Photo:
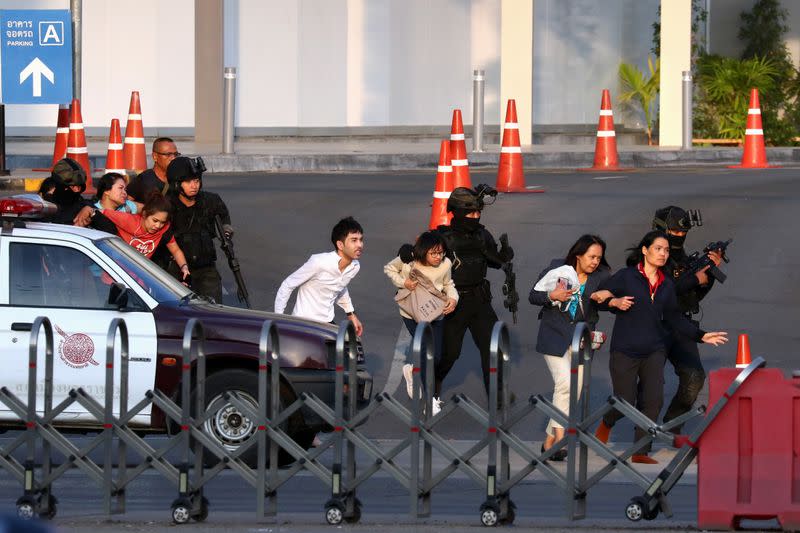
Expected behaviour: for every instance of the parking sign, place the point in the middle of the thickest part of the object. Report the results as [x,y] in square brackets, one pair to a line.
[36,55]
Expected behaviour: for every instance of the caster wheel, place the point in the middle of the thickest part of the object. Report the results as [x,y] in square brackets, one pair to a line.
[26,508]
[334,514]
[203,511]
[636,509]
[489,517]
[52,507]
[355,517]
[511,515]
[181,513]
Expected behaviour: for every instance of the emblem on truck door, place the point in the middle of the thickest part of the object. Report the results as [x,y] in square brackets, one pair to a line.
[76,350]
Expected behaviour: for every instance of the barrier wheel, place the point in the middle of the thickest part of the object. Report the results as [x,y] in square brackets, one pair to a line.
[489,516]
[26,508]
[355,516]
[181,512]
[203,514]
[334,513]
[52,507]
[511,515]
[635,510]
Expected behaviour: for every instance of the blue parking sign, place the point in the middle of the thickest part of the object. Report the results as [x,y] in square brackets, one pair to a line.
[36,56]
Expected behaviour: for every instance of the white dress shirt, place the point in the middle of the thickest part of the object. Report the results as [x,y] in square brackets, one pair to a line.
[319,284]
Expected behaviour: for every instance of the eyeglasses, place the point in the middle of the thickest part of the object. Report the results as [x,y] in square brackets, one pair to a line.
[436,254]
[169,154]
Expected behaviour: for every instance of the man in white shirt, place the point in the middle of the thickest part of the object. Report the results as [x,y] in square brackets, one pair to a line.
[322,280]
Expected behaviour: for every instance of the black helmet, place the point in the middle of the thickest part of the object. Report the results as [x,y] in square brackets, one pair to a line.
[674,218]
[68,172]
[464,200]
[183,168]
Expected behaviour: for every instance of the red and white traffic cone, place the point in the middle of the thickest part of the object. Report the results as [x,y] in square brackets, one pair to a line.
[62,134]
[76,144]
[458,152]
[115,161]
[743,358]
[133,150]
[755,154]
[605,150]
[442,189]
[510,175]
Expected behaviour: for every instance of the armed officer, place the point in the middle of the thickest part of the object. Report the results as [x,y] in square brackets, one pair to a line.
[690,289]
[472,249]
[193,212]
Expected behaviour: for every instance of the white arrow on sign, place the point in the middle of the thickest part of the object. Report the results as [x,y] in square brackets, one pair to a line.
[37,69]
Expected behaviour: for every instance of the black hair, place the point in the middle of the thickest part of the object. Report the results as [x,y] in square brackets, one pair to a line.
[426,242]
[343,228]
[48,185]
[162,140]
[156,203]
[582,246]
[105,183]
[635,255]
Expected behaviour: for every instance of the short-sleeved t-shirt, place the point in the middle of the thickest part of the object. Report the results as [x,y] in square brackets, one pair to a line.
[129,228]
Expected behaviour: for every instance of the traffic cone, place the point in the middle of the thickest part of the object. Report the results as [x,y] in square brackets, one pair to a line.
[605,149]
[442,189]
[62,134]
[743,351]
[133,151]
[76,143]
[115,161]
[510,176]
[458,153]
[754,155]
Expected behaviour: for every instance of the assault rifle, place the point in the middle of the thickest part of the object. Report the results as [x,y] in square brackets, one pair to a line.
[511,301]
[226,243]
[700,260]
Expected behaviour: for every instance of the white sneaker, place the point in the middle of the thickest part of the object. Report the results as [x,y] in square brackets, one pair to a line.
[437,406]
[408,373]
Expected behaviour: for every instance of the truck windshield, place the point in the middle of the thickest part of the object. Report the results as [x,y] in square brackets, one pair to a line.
[159,284]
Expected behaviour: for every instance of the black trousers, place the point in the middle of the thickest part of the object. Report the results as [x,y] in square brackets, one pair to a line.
[206,281]
[684,355]
[640,382]
[474,313]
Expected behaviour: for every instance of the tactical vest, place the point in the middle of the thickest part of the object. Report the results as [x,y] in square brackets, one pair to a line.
[467,251]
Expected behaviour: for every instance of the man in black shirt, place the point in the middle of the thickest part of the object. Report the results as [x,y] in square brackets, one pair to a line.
[154,179]
[690,289]
[193,212]
[69,182]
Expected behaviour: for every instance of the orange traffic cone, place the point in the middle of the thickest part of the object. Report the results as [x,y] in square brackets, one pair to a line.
[115,161]
[755,155]
[442,189]
[605,149]
[76,144]
[743,351]
[62,134]
[133,151]
[458,153]
[510,176]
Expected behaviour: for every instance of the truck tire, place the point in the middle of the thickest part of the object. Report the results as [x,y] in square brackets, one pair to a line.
[229,428]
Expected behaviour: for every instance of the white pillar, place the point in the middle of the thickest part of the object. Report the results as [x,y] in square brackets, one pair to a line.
[516,62]
[676,56]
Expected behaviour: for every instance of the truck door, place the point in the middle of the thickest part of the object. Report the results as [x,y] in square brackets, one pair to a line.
[68,283]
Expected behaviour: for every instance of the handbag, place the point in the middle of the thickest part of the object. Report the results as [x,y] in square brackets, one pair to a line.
[424,303]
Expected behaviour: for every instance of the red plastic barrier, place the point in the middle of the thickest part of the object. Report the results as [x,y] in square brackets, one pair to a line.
[749,461]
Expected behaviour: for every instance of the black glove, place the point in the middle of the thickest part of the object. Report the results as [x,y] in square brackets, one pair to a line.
[506,251]
[406,253]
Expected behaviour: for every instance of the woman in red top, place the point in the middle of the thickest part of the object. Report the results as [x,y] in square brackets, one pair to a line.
[145,231]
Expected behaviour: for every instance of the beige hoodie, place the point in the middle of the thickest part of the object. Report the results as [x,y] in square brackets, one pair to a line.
[398,272]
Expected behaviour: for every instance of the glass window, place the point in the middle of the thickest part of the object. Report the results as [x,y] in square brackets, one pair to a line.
[56,276]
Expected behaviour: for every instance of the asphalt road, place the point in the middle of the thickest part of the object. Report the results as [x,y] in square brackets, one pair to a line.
[281,219]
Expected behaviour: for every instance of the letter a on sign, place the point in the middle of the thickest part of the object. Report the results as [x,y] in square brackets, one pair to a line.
[51,33]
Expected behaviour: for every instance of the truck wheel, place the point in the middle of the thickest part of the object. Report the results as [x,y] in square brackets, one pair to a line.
[228,426]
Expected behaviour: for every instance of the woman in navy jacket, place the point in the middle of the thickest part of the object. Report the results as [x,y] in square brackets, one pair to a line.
[556,327]
[642,298]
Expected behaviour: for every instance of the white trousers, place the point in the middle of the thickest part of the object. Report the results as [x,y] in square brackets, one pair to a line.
[560,370]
